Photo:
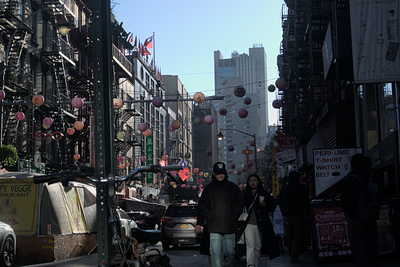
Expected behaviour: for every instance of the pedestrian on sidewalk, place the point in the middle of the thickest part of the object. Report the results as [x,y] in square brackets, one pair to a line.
[258,231]
[220,206]
[293,202]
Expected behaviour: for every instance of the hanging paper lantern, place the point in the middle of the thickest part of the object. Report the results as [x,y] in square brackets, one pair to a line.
[142,127]
[183,185]
[277,103]
[2,95]
[127,164]
[243,113]
[77,156]
[70,131]
[77,102]
[47,121]
[231,148]
[38,100]
[121,166]
[170,128]
[247,100]
[271,88]
[206,174]
[121,159]
[222,111]
[229,172]
[176,124]
[197,120]
[199,97]
[187,155]
[238,182]
[250,163]
[194,187]
[208,152]
[201,173]
[238,172]
[143,158]
[252,143]
[117,103]
[196,170]
[78,125]
[164,157]
[241,186]
[239,91]
[281,83]
[120,135]
[233,166]
[19,116]
[208,119]
[244,169]
[157,101]
[146,133]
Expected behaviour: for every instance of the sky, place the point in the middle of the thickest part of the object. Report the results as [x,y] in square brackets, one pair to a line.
[187,33]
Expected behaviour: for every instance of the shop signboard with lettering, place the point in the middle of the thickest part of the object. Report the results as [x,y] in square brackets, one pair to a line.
[330,231]
[149,157]
[331,165]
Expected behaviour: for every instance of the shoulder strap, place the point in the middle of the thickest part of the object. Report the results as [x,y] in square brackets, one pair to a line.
[253,201]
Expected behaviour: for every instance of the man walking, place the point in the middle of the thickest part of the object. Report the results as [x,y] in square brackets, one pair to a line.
[220,206]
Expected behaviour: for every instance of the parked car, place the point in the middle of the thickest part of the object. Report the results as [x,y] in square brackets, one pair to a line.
[8,245]
[139,217]
[126,222]
[178,225]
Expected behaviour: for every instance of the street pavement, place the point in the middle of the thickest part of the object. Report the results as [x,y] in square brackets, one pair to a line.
[189,256]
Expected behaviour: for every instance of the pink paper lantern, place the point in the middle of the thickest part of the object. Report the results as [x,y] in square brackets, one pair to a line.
[233,166]
[231,148]
[229,172]
[157,101]
[2,95]
[47,121]
[243,113]
[142,127]
[208,152]
[247,100]
[239,91]
[208,119]
[244,169]
[249,163]
[143,158]
[77,102]
[19,116]
[121,159]
[239,172]
[170,128]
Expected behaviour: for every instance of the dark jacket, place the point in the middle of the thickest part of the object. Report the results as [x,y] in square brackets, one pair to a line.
[220,206]
[293,199]
[269,242]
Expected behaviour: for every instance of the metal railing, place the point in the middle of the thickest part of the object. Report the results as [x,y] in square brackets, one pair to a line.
[117,54]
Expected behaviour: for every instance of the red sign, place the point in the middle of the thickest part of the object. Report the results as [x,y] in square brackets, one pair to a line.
[286,141]
[331,232]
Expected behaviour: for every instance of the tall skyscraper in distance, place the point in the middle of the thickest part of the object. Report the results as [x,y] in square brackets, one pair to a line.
[249,71]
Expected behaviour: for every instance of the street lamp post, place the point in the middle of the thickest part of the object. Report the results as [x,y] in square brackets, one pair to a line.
[221,136]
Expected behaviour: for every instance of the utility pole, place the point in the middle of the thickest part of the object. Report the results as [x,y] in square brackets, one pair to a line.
[103,114]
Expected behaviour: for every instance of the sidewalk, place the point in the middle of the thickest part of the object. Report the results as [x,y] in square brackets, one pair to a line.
[307,259]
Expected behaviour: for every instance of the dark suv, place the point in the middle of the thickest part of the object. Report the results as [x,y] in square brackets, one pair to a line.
[178,225]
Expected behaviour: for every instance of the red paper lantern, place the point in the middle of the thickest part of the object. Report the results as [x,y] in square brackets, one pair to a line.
[199,97]
[201,173]
[19,116]
[117,103]
[247,100]
[121,159]
[231,148]
[209,119]
[271,88]
[38,100]
[208,152]
[157,101]
[77,156]
[222,111]
[252,143]
[196,170]
[170,128]
[127,164]
[70,131]
[78,125]
[281,83]
[239,91]
[243,113]
[77,102]
[239,172]
[233,166]
[146,133]
[121,166]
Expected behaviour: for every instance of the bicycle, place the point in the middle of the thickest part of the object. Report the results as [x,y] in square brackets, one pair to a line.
[128,250]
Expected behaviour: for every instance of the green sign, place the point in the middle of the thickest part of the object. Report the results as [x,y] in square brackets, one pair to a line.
[149,157]
[28,166]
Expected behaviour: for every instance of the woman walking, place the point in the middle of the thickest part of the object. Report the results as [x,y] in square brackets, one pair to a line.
[258,230]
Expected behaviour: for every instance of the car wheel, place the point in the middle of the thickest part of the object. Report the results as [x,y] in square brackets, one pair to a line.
[166,244]
[8,253]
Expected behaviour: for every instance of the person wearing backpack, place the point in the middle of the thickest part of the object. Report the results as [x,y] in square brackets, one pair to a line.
[360,202]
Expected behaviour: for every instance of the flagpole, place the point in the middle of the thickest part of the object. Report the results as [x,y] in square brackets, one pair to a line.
[154,49]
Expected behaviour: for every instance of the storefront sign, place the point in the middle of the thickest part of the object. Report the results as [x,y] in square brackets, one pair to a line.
[331,165]
[149,157]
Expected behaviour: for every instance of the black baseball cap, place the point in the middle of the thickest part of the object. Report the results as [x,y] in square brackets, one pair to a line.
[219,168]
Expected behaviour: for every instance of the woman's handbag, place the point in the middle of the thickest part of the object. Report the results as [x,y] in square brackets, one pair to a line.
[245,213]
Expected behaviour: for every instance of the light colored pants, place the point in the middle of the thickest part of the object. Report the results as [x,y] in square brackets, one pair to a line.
[222,249]
[253,239]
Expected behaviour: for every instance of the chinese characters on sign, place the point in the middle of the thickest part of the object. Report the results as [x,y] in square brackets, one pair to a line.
[149,157]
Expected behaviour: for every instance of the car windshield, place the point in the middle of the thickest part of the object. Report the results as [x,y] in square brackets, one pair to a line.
[182,211]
